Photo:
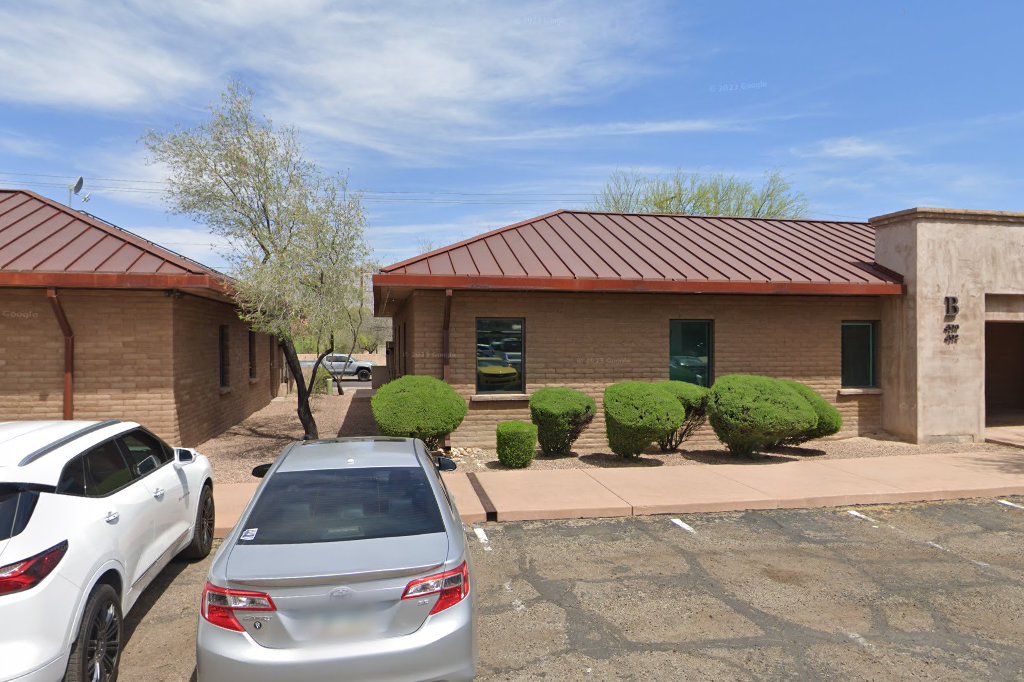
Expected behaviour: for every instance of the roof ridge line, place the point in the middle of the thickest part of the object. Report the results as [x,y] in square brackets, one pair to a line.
[732,217]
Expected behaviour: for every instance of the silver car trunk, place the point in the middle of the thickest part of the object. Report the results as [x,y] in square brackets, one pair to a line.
[330,592]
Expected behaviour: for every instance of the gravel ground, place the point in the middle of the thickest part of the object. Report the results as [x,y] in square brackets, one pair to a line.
[262,436]
[477,459]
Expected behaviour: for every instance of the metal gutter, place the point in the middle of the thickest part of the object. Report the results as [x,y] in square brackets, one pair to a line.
[69,353]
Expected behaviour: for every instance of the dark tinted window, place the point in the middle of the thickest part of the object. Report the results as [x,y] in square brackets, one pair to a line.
[859,355]
[15,510]
[145,452]
[72,479]
[689,351]
[105,470]
[332,505]
[499,355]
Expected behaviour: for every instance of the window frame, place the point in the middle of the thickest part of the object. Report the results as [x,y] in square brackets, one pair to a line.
[872,325]
[711,347]
[522,354]
[224,355]
[166,455]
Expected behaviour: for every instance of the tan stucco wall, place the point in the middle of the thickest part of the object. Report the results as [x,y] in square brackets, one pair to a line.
[934,390]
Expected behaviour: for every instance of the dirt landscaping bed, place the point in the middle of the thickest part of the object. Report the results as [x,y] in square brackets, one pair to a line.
[478,459]
[262,436]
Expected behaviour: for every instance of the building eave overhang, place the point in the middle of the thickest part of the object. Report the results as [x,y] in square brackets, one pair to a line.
[210,286]
[397,281]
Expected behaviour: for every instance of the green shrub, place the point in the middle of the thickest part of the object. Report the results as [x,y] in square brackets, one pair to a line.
[752,413]
[694,400]
[561,415]
[323,382]
[829,420]
[418,407]
[637,414]
[517,442]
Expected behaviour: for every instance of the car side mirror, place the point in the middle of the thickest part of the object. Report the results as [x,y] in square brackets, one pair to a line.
[183,456]
[260,470]
[446,464]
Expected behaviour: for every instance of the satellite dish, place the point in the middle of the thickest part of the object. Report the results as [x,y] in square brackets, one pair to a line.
[78,185]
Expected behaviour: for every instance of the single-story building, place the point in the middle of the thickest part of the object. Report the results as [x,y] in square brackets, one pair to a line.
[99,323]
[911,324]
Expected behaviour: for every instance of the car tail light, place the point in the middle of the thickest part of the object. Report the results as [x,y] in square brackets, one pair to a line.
[453,587]
[220,605]
[24,575]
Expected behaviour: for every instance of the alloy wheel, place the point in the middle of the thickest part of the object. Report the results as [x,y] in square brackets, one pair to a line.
[103,645]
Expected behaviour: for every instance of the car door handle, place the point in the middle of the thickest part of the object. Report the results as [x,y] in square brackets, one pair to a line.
[112,517]
[158,493]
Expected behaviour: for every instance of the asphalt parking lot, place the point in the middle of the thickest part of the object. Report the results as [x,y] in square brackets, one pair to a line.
[928,591]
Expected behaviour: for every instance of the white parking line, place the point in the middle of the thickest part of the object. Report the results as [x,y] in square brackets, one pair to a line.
[482,537]
[862,517]
[685,526]
[1011,504]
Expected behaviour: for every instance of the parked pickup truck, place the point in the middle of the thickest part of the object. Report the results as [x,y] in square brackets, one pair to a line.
[343,366]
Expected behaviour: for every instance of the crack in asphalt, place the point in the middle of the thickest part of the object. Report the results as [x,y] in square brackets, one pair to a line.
[938,587]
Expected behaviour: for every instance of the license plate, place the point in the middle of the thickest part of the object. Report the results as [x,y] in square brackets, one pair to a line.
[347,625]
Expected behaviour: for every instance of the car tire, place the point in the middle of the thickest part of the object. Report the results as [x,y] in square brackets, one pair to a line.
[101,629]
[363,375]
[202,536]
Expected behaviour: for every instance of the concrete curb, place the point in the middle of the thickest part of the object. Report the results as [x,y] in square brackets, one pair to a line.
[549,494]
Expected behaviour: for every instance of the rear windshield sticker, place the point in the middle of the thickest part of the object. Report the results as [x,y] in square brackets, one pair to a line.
[249,534]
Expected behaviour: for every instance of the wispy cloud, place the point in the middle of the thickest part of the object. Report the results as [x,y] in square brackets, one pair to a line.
[19,144]
[622,129]
[851,148]
[404,78]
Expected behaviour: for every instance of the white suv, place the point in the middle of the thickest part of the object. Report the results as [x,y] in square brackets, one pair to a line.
[90,512]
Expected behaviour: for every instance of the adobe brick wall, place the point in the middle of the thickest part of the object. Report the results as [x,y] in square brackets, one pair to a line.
[123,359]
[139,355]
[31,357]
[587,341]
[204,408]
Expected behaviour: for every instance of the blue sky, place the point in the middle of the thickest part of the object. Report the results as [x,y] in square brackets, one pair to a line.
[459,117]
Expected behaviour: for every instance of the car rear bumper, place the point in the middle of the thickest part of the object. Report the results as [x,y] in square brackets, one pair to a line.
[443,649]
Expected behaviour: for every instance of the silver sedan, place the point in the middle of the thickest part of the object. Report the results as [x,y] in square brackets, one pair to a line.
[350,563]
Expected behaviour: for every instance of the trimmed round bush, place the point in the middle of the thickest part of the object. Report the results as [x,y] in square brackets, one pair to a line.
[517,442]
[637,414]
[418,407]
[694,400]
[752,413]
[829,420]
[561,415]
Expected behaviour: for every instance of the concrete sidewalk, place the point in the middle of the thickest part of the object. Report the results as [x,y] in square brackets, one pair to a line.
[629,491]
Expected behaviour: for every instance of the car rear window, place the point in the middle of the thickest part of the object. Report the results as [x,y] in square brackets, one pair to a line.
[333,505]
[16,508]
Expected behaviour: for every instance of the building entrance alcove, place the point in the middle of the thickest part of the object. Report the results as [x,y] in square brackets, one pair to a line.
[1004,381]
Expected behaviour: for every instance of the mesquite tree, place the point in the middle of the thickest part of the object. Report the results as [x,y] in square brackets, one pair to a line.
[702,195]
[294,233]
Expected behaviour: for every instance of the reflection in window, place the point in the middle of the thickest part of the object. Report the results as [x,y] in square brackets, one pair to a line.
[859,355]
[689,350]
[499,355]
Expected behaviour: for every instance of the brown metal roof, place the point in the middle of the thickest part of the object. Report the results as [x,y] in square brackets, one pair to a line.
[44,243]
[587,251]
